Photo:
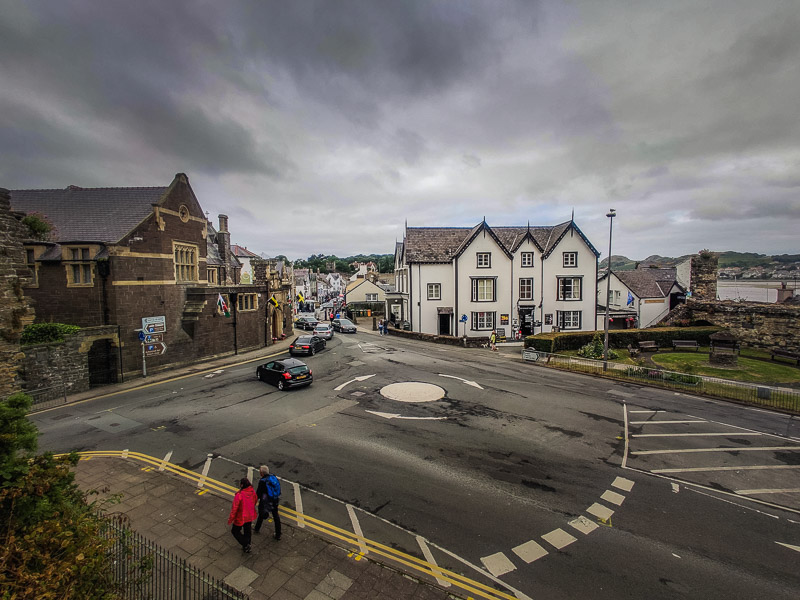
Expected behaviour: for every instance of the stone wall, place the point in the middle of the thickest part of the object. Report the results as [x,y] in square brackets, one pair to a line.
[58,368]
[754,324]
[704,275]
[470,342]
[15,307]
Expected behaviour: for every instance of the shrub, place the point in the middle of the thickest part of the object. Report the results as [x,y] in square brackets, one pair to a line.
[39,227]
[43,333]
[594,349]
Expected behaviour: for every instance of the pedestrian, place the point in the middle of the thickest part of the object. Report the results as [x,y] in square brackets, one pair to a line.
[269,497]
[243,512]
[493,340]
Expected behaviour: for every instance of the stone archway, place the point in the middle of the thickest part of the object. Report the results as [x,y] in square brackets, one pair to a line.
[102,362]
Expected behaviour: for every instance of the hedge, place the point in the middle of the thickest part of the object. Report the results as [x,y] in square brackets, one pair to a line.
[618,338]
[43,333]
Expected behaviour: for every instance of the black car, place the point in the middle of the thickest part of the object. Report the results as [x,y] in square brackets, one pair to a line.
[307,344]
[307,323]
[343,325]
[285,373]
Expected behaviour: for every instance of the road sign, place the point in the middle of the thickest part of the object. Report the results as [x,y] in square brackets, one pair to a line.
[154,324]
[151,338]
[141,336]
[155,349]
[463,318]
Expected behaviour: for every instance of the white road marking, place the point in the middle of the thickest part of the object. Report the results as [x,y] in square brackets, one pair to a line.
[360,378]
[761,512]
[742,428]
[744,468]
[768,491]
[622,484]
[601,512]
[676,488]
[125,453]
[202,481]
[398,416]
[736,433]
[498,564]
[613,497]
[790,546]
[685,450]
[250,474]
[664,422]
[472,383]
[647,411]
[298,506]
[559,538]
[625,452]
[165,461]
[426,552]
[357,529]
[530,551]
[584,525]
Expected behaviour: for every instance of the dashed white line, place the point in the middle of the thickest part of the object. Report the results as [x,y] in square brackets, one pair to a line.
[298,506]
[429,557]
[530,551]
[498,564]
[202,481]
[627,437]
[768,491]
[601,512]
[685,450]
[584,525]
[622,484]
[165,461]
[647,411]
[736,433]
[357,529]
[761,512]
[613,497]
[790,546]
[559,538]
[665,422]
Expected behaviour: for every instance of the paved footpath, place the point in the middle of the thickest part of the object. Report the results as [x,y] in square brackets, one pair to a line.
[301,566]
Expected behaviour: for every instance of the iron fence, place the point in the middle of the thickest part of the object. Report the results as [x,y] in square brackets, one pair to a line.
[145,571]
[48,397]
[786,399]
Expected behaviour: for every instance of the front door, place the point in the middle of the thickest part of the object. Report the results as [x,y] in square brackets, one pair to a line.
[444,325]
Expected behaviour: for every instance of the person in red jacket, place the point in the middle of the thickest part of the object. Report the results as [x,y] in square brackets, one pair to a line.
[243,513]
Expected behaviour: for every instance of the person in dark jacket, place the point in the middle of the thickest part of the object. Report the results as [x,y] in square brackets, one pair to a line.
[243,512]
[269,496]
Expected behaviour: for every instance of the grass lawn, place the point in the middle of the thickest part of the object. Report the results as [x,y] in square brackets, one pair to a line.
[749,369]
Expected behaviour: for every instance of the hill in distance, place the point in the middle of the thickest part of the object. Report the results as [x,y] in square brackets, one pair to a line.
[726,259]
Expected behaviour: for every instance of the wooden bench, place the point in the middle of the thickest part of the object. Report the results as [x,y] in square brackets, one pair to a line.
[781,353]
[633,351]
[685,344]
[648,346]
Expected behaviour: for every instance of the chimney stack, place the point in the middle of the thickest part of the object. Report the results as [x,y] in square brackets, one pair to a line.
[224,246]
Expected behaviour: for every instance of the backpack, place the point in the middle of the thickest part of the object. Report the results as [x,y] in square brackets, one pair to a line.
[273,487]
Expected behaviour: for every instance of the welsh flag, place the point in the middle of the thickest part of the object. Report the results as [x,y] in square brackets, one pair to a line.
[222,306]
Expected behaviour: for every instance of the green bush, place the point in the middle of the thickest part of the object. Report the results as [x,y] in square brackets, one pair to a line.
[43,333]
[595,348]
[619,338]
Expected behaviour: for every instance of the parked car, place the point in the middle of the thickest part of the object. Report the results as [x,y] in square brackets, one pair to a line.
[306,344]
[324,331]
[307,323]
[343,326]
[285,373]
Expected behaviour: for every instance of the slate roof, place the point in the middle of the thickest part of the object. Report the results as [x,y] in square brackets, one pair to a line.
[442,244]
[648,283]
[242,251]
[90,214]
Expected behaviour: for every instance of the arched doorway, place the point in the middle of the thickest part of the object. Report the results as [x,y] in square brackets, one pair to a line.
[276,328]
[102,362]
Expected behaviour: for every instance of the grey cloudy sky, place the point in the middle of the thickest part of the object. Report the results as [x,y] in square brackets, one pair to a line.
[322,126]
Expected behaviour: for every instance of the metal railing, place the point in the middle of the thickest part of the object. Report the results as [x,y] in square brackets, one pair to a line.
[49,397]
[786,399]
[146,571]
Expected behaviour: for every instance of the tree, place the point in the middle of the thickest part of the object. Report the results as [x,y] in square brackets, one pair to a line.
[39,226]
[51,543]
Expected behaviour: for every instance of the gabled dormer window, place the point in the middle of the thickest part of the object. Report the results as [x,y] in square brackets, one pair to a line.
[484,260]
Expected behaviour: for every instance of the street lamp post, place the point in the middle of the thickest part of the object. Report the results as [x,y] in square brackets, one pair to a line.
[611,214]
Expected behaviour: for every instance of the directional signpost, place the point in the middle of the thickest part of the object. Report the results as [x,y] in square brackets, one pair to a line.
[151,335]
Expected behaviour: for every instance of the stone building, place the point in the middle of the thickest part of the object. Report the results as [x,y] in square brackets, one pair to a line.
[15,309]
[132,257]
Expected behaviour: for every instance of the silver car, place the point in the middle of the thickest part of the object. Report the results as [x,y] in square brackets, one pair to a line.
[324,331]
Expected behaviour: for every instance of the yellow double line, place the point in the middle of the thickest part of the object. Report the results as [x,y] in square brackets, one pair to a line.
[412,562]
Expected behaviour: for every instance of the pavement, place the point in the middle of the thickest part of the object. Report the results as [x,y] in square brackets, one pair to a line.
[186,513]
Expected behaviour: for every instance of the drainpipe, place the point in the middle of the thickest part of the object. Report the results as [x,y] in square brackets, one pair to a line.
[234,301]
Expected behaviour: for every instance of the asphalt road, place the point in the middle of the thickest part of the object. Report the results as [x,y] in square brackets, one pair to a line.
[513,470]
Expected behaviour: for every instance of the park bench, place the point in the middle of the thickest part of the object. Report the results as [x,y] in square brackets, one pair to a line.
[781,353]
[633,351]
[648,346]
[685,344]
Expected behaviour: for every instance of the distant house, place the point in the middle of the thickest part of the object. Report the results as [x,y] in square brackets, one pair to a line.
[470,280]
[243,255]
[336,284]
[638,298]
[364,290]
[123,255]
[363,269]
